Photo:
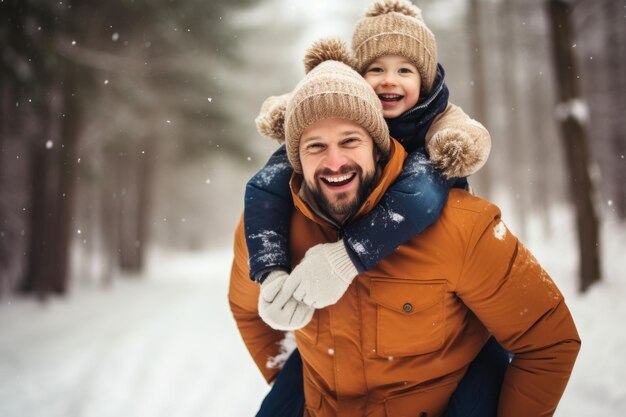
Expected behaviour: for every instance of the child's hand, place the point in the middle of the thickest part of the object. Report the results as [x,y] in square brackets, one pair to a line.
[324,275]
[278,308]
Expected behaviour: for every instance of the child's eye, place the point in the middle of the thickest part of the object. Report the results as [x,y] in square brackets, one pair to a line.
[375,69]
[405,71]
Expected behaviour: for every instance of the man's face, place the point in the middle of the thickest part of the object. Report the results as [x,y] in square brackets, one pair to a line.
[396,82]
[338,165]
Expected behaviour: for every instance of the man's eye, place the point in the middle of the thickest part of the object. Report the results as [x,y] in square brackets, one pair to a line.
[351,141]
[314,147]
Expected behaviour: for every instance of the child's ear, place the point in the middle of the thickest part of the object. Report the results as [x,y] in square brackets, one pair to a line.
[271,119]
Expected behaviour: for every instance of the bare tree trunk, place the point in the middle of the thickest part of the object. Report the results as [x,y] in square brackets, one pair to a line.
[126,240]
[6,253]
[515,143]
[70,131]
[616,68]
[570,112]
[43,218]
[479,99]
[53,178]
[110,222]
[44,188]
[13,154]
[539,137]
[146,174]
[542,184]
[135,202]
[138,166]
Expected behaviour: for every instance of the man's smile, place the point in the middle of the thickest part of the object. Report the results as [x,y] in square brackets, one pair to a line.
[338,180]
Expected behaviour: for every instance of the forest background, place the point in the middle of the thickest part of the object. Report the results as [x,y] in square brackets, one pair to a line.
[127,126]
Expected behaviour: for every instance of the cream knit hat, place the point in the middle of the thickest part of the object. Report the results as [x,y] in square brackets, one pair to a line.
[396,27]
[330,89]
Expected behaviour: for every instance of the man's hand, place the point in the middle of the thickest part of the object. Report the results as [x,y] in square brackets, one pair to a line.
[278,308]
[324,275]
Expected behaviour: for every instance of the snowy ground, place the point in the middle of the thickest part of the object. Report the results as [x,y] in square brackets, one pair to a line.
[166,345]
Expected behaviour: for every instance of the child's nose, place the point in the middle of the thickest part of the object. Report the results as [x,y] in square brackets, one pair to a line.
[389,79]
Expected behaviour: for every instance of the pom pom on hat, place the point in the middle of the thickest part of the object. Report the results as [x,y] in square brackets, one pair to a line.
[459,152]
[389,6]
[271,119]
[330,49]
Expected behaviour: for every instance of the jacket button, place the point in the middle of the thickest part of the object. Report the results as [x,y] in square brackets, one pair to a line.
[423,414]
[407,307]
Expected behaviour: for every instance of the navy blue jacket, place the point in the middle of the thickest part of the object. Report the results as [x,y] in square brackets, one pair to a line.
[413,203]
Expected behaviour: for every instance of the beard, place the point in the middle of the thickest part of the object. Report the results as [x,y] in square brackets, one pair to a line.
[343,205]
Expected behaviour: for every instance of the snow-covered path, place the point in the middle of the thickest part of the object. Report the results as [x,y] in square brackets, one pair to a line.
[166,344]
[163,346]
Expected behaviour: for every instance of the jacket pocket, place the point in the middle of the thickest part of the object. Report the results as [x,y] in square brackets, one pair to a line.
[410,316]
[312,399]
[430,402]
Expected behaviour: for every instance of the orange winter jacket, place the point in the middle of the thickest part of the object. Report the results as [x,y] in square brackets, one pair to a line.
[402,336]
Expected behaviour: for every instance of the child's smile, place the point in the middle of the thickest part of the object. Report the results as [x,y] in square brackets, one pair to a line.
[397,83]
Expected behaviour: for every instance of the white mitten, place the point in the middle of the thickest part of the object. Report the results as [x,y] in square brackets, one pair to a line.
[278,308]
[323,275]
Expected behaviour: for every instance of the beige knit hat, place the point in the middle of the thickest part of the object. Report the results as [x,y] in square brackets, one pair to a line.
[396,27]
[330,89]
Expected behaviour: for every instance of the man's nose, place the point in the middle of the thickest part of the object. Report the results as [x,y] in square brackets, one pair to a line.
[335,159]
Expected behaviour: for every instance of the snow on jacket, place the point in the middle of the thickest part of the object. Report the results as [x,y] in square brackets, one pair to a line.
[402,336]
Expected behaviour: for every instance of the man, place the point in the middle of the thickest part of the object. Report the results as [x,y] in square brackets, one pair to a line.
[403,334]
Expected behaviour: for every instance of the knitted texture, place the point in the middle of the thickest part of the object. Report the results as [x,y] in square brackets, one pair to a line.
[332,89]
[457,144]
[278,308]
[457,152]
[396,27]
[324,274]
[271,119]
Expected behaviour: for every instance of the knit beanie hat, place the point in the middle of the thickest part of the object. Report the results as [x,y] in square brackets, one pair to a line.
[330,89]
[396,27]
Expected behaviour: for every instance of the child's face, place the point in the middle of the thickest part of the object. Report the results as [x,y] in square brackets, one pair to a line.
[396,82]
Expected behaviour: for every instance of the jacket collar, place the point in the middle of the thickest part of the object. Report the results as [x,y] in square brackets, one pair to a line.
[390,171]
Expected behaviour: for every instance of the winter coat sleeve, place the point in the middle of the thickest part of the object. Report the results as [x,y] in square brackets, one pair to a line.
[410,205]
[502,283]
[268,206]
[456,143]
[262,341]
